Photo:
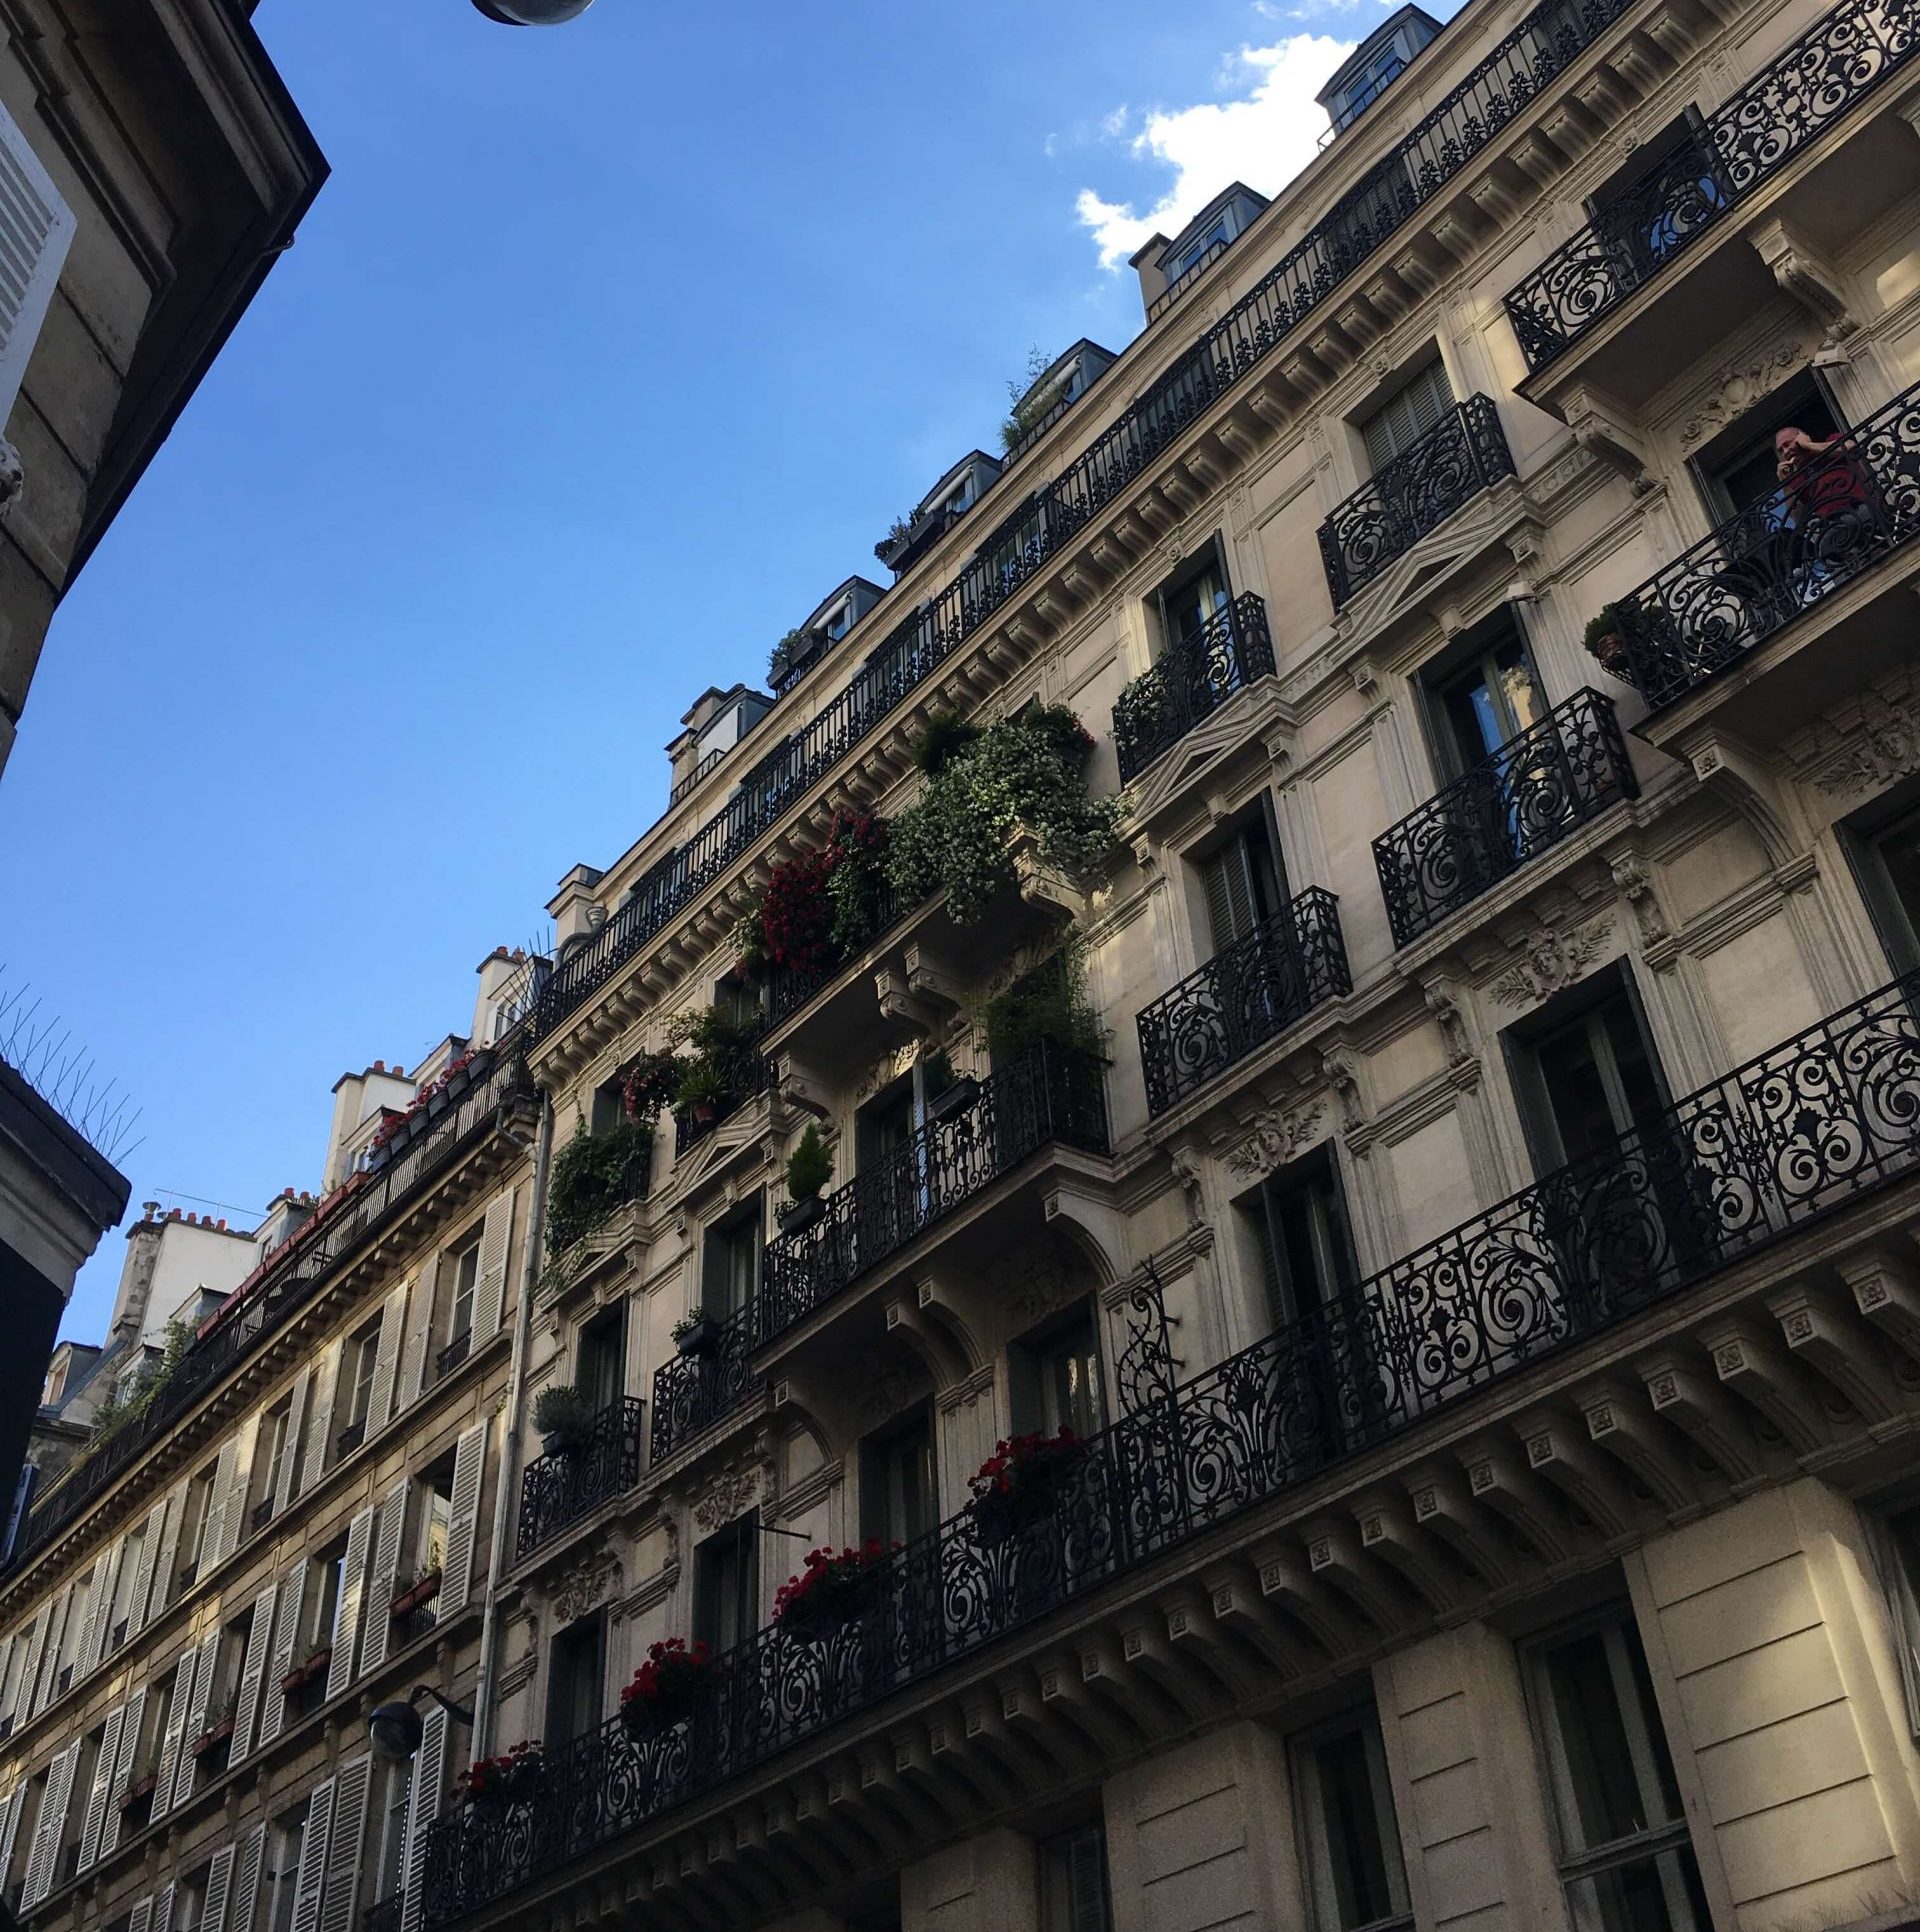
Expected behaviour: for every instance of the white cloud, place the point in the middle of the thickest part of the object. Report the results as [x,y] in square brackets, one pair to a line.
[1264,138]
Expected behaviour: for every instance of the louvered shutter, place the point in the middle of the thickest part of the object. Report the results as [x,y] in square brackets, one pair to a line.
[45,1855]
[490,1288]
[99,1594]
[213,1532]
[9,1655]
[384,1578]
[177,1705]
[253,1673]
[11,1809]
[163,1909]
[429,1776]
[283,1488]
[245,1896]
[201,1696]
[164,1562]
[320,1415]
[353,1591]
[313,1859]
[349,1834]
[418,1328]
[462,1531]
[143,1567]
[36,229]
[231,1521]
[102,1618]
[50,1657]
[1400,422]
[213,1904]
[1087,1880]
[386,1359]
[141,1918]
[1230,909]
[33,1647]
[286,1633]
[95,1819]
[123,1769]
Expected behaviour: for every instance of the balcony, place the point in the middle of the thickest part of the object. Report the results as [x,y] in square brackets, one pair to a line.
[1242,997]
[1532,793]
[1777,562]
[1192,681]
[1745,143]
[692,1393]
[557,1490]
[1504,87]
[1051,1094]
[1808,1128]
[1461,455]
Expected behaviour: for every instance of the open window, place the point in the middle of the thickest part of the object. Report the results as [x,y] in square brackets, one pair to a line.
[600,1357]
[1481,694]
[898,1501]
[726,1584]
[1053,1375]
[1074,1894]
[1192,596]
[1884,844]
[1356,1879]
[1242,877]
[1301,1237]
[1674,185]
[1739,468]
[577,1677]
[730,1260]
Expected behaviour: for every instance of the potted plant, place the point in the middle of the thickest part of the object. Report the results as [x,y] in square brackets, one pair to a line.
[1050,1003]
[1023,1481]
[666,1688]
[415,1592]
[1606,639]
[219,1727]
[647,1084]
[834,1588]
[491,1784]
[695,1334]
[949,1094]
[809,1169]
[704,1090]
[565,1418]
[592,1175]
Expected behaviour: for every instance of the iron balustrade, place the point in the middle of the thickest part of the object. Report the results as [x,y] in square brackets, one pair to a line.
[450,1357]
[1409,175]
[1776,560]
[1740,146]
[1242,997]
[1464,453]
[751,1076]
[1049,1094]
[789,990]
[1190,682]
[557,1490]
[1799,1131]
[692,1393]
[1193,271]
[1536,789]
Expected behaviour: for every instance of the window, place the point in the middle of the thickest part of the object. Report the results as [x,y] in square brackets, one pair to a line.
[1407,415]
[121,1609]
[320,1610]
[897,1500]
[466,1273]
[1195,252]
[1886,859]
[726,1584]
[1586,1072]
[600,1357]
[730,1263]
[390,1827]
[189,1902]
[577,1686]
[1054,1377]
[1349,1837]
[1192,595]
[436,1516]
[1241,881]
[362,1358]
[281,1870]
[1298,1216]
[1625,1858]
[194,1513]
[1368,85]
[1073,1882]
[1482,701]
[271,1458]
[1675,185]
[1739,469]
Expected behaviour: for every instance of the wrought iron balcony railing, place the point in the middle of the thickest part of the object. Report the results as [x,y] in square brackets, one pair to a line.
[788,991]
[557,1490]
[1242,997]
[691,1393]
[1050,1094]
[1741,145]
[1530,794]
[1464,453]
[1194,679]
[1816,1123]
[1403,180]
[1776,560]
[752,1076]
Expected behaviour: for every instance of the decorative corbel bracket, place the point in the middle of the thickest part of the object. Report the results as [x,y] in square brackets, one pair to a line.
[1601,432]
[1807,276]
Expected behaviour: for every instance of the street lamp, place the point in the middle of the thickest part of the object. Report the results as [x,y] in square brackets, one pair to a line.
[533,13]
[395,1729]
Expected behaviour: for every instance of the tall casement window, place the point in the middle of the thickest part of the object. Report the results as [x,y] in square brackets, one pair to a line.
[194,1512]
[463,1275]
[1242,880]
[1884,845]
[1297,1218]
[436,1517]
[1392,427]
[1481,696]
[393,1787]
[1621,1836]
[1053,1373]
[190,1902]
[730,1261]
[1193,595]
[280,1872]
[898,1503]
[320,1610]
[356,1370]
[600,1357]
[1586,1071]
[726,1584]
[576,1686]
[1073,1881]
[270,1456]
[1349,1837]
[1738,470]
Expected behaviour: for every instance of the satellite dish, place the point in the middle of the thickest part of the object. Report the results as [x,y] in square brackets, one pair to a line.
[533,13]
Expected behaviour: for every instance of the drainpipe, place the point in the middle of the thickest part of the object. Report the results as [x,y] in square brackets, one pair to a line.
[483,1692]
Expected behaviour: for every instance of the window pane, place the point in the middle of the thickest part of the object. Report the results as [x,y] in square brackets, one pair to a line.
[1658,1894]
[1360,1863]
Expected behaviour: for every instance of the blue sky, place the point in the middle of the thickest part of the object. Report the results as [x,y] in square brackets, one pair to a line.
[605,353]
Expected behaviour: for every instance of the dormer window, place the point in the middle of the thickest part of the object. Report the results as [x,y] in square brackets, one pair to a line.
[839,623]
[1193,255]
[962,498]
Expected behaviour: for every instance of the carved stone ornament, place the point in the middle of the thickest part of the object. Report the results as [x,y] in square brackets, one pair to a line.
[1635,883]
[1882,745]
[882,1383]
[888,1068]
[1273,1138]
[1039,1282]
[1186,1170]
[1550,961]
[1342,1074]
[590,1580]
[1442,999]
[1737,388]
[730,1494]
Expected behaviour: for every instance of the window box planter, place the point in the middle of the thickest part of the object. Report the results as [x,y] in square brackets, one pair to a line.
[297,1679]
[416,1596]
[141,1787]
[698,1337]
[490,1785]
[798,1216]
[1022,1483]
[210,1740]
[833,1590]
[954,1100]
[666,1689]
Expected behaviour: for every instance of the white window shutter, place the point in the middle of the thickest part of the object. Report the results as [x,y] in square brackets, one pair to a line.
[230,1522]
[320,1415]
[213,1902]
[469,1459]
[384,1578]
[101,1621]
[50,1656]
[418,1328]
[490,1288]
[98,1798]
[353,1592]
[162,1920]
[386,1359]
[244,1898]
[203,1669]
[141,1917]
[176,1731]
[253,1673]
[9,1651]
[313,1859]
[45,1856]
[123,1769]
[33,1646]
[11,1808]
[165,1557]
[292,1588]
[36,230]
[99,1592]
[429,1778]
[213,1532]
[283,1489]
[143,1567]
[349,1834]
